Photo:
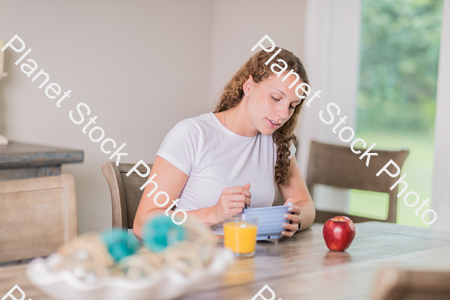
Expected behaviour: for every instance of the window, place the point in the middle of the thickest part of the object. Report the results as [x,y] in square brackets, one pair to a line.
[399,56]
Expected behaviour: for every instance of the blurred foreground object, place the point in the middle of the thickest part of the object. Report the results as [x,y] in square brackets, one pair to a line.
[399,284]
[113,265]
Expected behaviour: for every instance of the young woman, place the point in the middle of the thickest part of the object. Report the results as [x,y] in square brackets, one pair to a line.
[216,163]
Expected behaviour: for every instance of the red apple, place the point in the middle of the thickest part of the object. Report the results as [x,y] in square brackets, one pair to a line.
[338,233]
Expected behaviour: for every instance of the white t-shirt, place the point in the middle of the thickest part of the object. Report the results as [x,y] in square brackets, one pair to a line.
[215,158]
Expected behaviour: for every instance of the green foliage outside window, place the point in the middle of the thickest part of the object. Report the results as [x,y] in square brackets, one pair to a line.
[398,64]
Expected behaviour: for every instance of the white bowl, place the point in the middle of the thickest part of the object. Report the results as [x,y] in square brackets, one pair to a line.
[167,283]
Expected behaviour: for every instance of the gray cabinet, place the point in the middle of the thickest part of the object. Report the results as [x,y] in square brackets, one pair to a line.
[20,160]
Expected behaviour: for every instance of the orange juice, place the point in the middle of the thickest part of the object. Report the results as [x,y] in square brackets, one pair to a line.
[240,236]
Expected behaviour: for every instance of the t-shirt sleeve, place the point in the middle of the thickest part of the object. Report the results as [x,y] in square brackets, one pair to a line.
[180,145]
[292,150]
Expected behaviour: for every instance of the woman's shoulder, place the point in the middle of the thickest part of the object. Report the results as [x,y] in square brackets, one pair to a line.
[195,125]
[207,119]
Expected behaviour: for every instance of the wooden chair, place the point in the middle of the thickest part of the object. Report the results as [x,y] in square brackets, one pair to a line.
[125,192]
[338,166]
[37,215]
[398,284]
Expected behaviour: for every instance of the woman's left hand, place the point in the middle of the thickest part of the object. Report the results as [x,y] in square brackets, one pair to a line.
[293,219]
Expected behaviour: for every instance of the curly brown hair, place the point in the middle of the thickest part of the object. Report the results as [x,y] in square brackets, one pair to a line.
[233,93]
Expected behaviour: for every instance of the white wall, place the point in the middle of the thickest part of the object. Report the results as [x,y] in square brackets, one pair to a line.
[239,25]
[328,39]
[140,66]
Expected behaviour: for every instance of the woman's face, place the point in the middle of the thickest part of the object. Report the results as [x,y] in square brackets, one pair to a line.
[271,102]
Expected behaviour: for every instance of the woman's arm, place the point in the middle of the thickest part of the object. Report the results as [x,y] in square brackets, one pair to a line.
[172,180]
[295,191]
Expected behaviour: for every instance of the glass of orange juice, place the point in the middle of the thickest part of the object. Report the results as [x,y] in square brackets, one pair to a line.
[240,234]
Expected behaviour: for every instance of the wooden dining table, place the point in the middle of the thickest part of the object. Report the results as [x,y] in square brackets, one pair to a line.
[302,267]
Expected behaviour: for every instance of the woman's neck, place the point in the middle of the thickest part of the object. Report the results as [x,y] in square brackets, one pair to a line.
[236,120]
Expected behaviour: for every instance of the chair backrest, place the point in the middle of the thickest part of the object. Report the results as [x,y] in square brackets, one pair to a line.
[125,191]
[37,215]
[397,284]
[338,166]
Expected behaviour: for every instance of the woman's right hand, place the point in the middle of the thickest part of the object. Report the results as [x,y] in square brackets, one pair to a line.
[231,202]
